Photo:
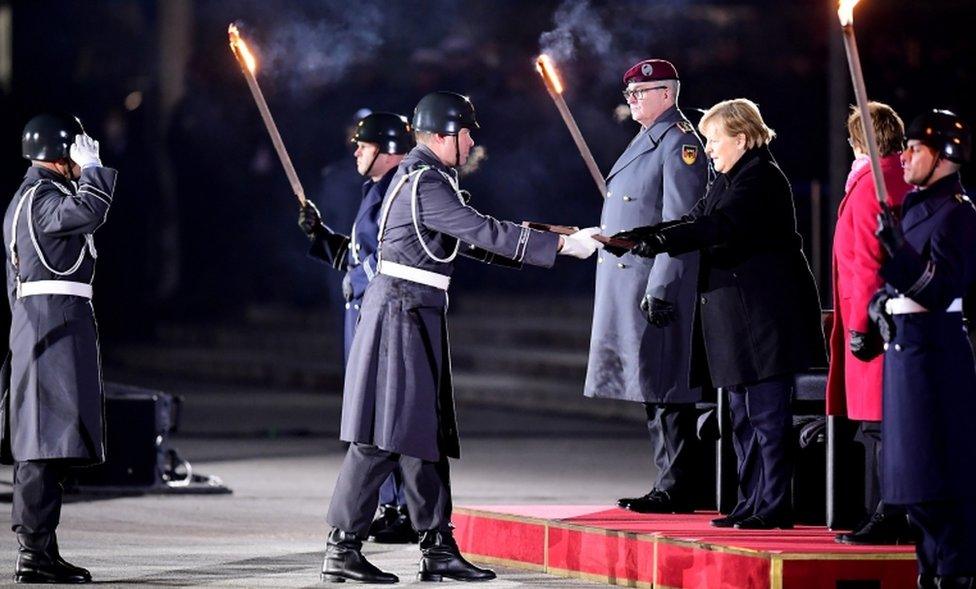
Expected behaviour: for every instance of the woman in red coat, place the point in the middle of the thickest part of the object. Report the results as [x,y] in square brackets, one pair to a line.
[854,385]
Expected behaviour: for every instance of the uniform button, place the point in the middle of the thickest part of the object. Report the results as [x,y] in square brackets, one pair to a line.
[347,305]
[603,226]
[359,246]
[609,193]
[627,198]
[897,347]
[355,307]
[885,346]
[621,265]
[599,259]
[704,300]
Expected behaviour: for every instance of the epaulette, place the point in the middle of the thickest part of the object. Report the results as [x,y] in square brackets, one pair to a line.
[685,127]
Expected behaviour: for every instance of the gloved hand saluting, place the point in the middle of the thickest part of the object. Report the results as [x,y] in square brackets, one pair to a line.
[580,244]
[84,152]
[310,220]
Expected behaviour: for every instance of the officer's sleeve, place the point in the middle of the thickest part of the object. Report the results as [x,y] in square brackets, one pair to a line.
[944,275]
[683,186]
[330,247]
[441,211]
[57,215]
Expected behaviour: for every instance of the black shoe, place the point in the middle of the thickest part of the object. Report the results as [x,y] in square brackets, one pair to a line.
[656,502]
[441,560]
[344,561]
[925,581]
[392,526]
[880,529]
[760,522]
[38,561]
[728,521]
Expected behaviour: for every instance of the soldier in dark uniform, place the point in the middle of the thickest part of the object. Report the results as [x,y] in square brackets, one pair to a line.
[646,304]
[928,458]
[381,139]
[398,406]
[55,399]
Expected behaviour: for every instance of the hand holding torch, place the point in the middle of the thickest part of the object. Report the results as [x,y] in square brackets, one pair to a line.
[249,66]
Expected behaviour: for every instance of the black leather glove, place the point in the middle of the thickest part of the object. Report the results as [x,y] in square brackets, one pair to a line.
[866,346]
[658,312]
[880,317]
[889,231]
[650,247]
[347,292]
[310,220]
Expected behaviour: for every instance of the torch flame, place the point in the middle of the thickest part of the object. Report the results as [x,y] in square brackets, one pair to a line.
[845,12]
[240,48]
[548,70]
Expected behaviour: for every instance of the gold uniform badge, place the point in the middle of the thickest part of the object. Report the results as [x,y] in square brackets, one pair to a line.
[689,154]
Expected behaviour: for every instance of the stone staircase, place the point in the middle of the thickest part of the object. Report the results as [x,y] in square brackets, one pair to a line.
[516,353]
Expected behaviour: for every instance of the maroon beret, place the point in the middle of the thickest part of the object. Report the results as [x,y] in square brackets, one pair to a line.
[650,70]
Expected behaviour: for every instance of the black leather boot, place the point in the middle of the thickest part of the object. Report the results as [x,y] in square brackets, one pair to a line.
[392,526]
[880,529]
[344,561]
[38,561]
[441,559]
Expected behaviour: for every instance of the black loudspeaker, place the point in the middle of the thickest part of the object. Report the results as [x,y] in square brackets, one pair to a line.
[138,423]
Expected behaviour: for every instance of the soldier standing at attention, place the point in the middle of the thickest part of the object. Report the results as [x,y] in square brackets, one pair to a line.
[55,399]
[381,140]
[929,387]
[398,404]
[640,344]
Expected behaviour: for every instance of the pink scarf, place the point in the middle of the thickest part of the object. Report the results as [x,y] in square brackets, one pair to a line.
[859,163]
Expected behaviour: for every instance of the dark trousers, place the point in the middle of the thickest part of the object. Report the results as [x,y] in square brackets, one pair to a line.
[427,488]
[869,434]
[762,436]
[392,492]
[671,427]
[37,496]
[948,537]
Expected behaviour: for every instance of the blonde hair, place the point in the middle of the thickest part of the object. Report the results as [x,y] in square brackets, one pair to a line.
[739,115]
[889,129]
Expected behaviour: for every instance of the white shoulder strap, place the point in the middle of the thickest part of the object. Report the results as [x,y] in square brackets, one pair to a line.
[28,196]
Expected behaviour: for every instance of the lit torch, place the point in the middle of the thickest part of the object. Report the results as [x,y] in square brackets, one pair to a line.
[249,66]
[555,87]
[845,12]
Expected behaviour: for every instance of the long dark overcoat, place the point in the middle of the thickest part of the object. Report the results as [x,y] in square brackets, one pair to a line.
[659,177]
[398,393]
[929,380]
[757,312]
[56,404]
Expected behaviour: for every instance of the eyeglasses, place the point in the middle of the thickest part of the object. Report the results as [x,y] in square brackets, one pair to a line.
[638,93]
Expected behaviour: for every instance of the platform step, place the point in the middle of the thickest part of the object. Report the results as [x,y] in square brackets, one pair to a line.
[619,547]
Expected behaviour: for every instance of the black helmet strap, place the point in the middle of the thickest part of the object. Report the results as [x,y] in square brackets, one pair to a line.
[372,161]
[935,164]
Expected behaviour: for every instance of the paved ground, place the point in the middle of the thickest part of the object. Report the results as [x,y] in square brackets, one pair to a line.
[278,452]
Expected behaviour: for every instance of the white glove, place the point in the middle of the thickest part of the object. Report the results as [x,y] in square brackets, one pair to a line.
[581,244]
[84,152]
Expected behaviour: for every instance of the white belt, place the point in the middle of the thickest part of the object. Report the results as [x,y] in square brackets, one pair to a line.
[414,274]
[54,287]
[905,305]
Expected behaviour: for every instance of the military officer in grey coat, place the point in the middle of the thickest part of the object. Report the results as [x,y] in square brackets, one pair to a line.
[640,343]
[398,405]
[55,404]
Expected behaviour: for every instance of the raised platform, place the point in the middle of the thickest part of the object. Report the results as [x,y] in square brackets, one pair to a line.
[673,551]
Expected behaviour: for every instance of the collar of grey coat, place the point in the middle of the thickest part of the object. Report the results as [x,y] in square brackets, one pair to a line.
[424,156]
[35,173]
[648,139]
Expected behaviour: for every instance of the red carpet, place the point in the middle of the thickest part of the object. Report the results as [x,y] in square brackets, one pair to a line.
[674,551]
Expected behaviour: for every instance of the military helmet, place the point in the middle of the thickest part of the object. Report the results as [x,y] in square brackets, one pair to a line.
[47,137]
[388,130]
[445,113]
[945,132]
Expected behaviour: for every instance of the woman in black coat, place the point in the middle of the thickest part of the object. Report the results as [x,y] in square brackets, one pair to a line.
[757,318]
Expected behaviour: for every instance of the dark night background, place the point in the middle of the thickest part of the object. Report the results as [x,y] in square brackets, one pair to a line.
[204,224]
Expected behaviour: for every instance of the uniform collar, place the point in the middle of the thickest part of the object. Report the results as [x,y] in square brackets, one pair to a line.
[951,185]
[423,154]
[380,184]
[662,123]
[35,173]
